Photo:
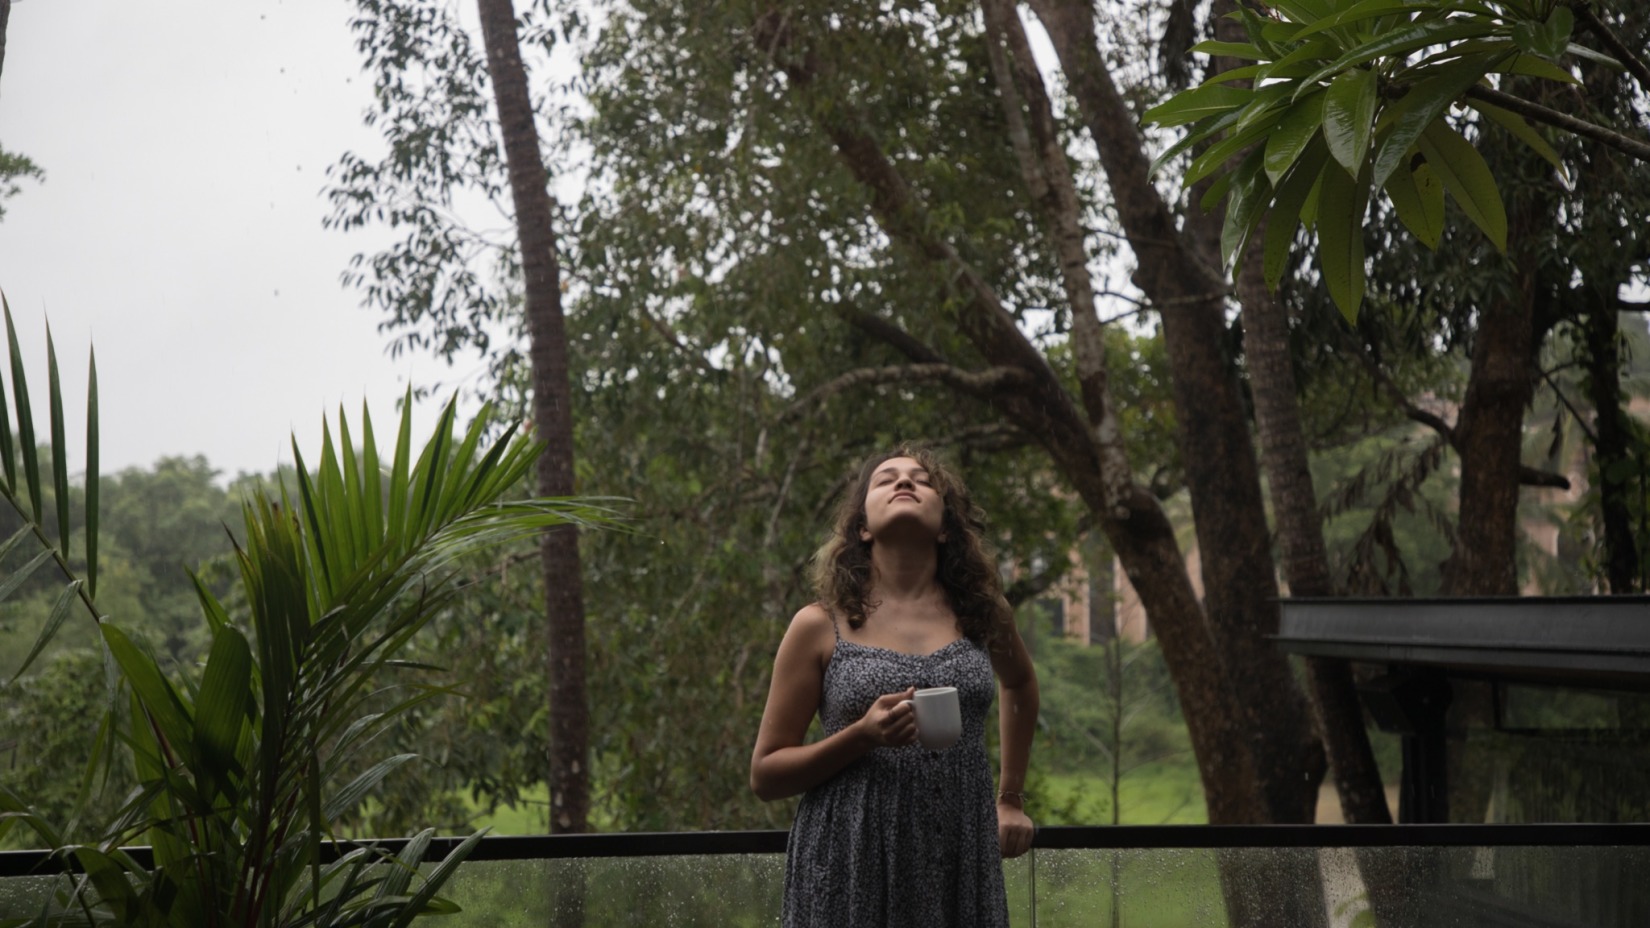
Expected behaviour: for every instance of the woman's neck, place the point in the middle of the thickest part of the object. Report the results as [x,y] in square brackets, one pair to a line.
[903,573]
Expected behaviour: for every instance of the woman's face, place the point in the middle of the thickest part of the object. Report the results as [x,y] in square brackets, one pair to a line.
[901,500]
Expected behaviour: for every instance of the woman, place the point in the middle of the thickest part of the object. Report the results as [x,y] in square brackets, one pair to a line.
[890,834]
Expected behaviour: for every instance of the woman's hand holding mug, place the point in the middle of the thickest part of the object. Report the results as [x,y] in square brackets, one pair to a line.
[891,722]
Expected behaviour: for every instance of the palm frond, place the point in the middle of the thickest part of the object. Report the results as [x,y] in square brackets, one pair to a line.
[27,498]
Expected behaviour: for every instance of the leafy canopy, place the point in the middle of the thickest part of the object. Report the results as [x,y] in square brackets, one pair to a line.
[1347,100]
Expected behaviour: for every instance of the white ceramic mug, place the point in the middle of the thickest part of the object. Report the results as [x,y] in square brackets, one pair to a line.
[939,717]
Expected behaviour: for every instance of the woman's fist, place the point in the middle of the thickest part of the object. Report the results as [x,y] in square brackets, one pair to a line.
[890,722]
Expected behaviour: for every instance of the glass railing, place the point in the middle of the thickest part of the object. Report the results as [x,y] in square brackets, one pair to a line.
[1449,876]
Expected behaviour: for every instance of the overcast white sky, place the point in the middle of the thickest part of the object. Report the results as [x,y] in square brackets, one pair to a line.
[179,227]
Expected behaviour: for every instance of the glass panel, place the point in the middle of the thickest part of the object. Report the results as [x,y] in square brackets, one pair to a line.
[1532,887]
[22,896]
[646,891]
[1314,887]
[734,890]
[1523,754]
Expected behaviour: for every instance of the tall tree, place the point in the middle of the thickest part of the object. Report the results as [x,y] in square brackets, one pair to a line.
[5,19]
[1176,272]
[446,109]
[569,779]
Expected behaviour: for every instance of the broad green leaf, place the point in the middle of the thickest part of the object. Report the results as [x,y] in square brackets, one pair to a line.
[1202,131]
[1217,190]
[1523,131]
[360,534]
[10,583]
[402,867]
[12,542]
[1294,131]
[1341,206]
[1280,32]
[1595,56]
[1305,12]
[317,541]
[1287,203]
[1492,45]
[60,445]
[26,447]
[1418,198]
[216,616]
[425,899]
[1555,32]
[112,881]
[1368,9]
[344,801]
[1251,194]
[149,686]
[1349,116]
[1537,66]
[1216,49]
[1528,37]
[1216,157]
[1467,178]
[373,480]
[93,475]
[1247,72]
[8,460]
[221,708]
[1197,103]
[1303,59]
[1254,26]
[54,620]
[397,527]
[1402,42]
[1425,103]
[1264,108]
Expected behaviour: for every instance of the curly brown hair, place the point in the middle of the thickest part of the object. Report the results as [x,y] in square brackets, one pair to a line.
[967,568]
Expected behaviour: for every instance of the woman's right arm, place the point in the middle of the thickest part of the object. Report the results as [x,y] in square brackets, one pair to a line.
[782,765]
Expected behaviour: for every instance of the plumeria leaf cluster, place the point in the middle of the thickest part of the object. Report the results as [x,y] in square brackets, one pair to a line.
[1339,102]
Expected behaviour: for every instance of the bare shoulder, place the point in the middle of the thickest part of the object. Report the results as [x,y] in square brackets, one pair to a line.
[812,625]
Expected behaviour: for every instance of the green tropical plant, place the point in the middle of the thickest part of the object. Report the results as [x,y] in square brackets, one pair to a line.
[240,768]
[1348,98]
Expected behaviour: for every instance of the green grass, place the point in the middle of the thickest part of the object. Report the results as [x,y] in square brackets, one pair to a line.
[1164,793]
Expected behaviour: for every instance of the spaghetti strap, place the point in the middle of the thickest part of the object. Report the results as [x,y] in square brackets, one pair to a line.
[835,628]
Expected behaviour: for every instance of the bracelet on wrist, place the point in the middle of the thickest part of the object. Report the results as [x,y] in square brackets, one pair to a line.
[1017,794]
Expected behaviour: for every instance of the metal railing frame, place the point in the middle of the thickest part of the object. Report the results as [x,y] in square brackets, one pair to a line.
[1118,837]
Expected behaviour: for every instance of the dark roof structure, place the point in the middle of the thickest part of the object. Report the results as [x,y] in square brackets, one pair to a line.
[1584,641]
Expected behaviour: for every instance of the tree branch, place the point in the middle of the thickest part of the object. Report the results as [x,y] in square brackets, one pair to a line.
[890,333]
[1045,408]
[1531,477]
[1574,413]
[1384,381]
[1629,59]
[1552,117]
[1527,476]
[975,383]
[1036,139]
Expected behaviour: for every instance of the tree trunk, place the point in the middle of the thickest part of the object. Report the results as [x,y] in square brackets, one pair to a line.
[5,18]
[569,774]
[1238,572]
[1489,437]
[1621,556]
[1300,538]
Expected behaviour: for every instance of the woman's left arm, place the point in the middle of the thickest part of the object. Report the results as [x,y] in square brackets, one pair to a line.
[1017,722]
